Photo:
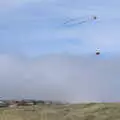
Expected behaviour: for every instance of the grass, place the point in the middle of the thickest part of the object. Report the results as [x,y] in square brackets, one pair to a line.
[91,111]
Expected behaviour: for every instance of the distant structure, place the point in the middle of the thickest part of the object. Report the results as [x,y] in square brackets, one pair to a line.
[3,104]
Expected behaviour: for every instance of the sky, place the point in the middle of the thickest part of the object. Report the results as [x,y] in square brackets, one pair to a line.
[42,58]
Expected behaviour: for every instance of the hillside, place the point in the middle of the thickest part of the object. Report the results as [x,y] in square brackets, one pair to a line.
[91,111]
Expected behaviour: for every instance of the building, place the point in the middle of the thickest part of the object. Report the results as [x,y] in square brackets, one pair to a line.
[3,104]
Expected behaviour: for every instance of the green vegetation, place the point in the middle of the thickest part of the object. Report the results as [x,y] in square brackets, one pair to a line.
[91,111]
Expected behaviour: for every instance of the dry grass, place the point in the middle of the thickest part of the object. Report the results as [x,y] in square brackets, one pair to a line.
[91,111]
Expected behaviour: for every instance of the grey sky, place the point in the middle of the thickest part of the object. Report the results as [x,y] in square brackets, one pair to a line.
[60,77]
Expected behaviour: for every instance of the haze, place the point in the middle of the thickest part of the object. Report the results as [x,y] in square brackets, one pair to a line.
[42,58]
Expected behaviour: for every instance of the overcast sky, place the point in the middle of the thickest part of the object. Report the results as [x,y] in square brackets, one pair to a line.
[42,58]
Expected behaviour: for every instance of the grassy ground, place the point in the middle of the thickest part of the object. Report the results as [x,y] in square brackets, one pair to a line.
[91,111]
